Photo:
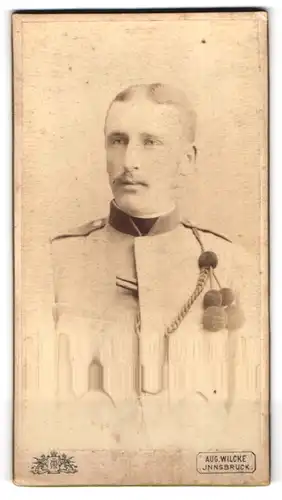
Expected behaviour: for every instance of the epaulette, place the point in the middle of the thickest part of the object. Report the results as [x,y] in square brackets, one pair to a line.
[83,230]
[189,225]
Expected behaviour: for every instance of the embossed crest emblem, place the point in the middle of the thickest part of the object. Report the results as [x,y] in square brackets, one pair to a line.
[53,463]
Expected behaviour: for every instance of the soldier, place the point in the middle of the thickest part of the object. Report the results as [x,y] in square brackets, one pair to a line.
[148,307]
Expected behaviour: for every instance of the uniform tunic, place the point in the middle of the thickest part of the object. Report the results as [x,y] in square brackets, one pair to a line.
[113,274]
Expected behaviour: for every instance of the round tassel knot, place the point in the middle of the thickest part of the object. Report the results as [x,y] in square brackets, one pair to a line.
[228,296]
[214,319]
[212,298]
[208,259]
[235,317]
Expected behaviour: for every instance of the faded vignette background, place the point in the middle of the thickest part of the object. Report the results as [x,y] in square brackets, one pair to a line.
[66,71]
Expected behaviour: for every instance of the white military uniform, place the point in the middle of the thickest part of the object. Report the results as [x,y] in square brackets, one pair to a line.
[107,275]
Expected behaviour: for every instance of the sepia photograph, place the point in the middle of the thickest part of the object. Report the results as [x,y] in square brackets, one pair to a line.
[141,248]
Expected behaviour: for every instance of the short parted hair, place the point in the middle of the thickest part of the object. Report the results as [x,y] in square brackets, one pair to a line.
[162,93]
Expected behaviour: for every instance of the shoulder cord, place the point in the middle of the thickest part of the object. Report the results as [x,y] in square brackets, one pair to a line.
[200,285]
[202,279]
[201,282]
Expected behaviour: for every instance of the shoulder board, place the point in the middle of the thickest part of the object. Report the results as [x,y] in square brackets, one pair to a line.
[83,230]
[189,225]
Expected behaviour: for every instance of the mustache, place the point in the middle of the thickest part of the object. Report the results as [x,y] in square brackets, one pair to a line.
[128,178]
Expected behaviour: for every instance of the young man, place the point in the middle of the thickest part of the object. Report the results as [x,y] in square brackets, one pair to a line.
[150,309]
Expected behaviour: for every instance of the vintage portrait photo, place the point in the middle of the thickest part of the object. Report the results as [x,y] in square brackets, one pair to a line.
[141,243]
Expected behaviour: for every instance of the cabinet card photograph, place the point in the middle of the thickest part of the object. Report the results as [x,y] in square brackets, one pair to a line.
[141,337]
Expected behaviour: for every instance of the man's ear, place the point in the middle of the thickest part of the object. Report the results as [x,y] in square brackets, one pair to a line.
[191,153]
[187,166]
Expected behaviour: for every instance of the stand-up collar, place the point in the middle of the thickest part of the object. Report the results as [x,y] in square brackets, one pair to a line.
[137,226]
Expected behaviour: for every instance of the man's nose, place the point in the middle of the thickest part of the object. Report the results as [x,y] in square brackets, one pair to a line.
[132,157]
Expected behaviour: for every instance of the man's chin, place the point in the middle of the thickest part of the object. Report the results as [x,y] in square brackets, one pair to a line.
[132,204]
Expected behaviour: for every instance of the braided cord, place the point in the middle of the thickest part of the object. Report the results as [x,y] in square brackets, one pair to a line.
[138,380]
[197,236]
[204,273]
[202,279]
[201,282]
[138,324]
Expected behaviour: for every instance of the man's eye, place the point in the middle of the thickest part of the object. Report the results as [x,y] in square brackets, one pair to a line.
[117,141]
[151,142]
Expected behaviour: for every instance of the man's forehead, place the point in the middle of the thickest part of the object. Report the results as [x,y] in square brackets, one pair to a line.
[143,115]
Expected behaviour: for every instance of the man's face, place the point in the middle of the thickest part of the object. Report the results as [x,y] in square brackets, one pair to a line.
[145,144]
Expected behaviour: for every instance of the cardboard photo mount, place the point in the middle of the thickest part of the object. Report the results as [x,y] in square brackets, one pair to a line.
[126,371]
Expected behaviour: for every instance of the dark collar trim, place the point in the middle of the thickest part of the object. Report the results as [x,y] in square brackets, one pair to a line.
[122,222]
